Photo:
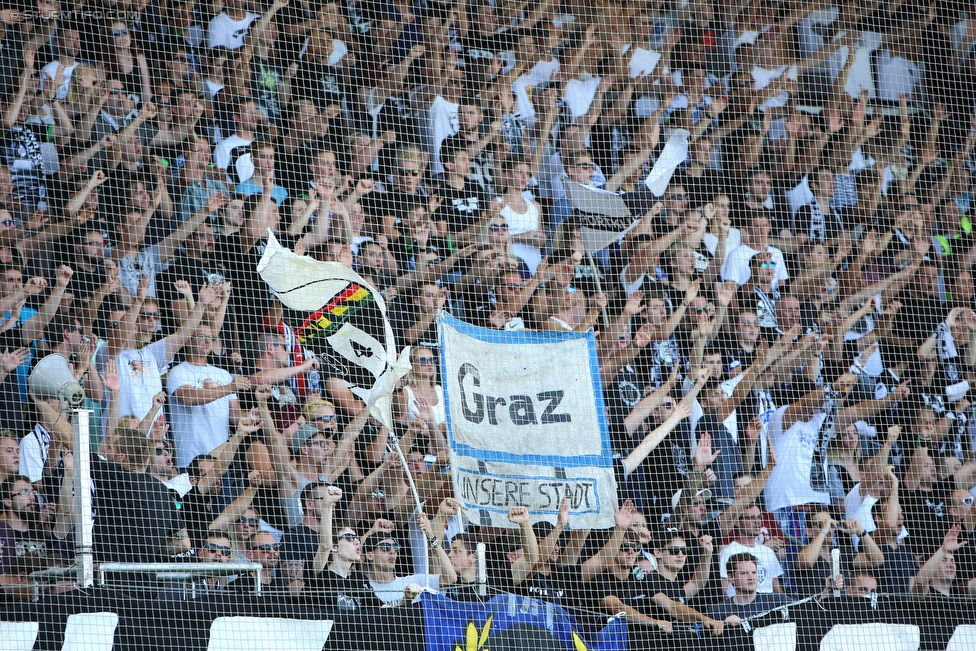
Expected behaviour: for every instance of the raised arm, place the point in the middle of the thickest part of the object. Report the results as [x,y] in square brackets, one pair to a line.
[332,496]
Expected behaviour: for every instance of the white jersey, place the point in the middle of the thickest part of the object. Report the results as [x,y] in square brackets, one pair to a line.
[799,451]
[768,565]
[227,32]
[198,429]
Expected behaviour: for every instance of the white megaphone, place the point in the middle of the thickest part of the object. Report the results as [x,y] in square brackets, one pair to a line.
[52,378]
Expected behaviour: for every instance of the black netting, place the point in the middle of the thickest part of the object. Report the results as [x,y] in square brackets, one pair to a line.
[487,324]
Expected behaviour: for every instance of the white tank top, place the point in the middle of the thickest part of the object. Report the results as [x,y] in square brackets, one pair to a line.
[523,222]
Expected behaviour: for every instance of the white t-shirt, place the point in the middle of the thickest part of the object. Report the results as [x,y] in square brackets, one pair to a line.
[768,566]
[224,149]
[51,69]
[228,32]
[199,429]
[140,378]
[34,449]
[796,451]
[443,124]
[732,242]
[737,265]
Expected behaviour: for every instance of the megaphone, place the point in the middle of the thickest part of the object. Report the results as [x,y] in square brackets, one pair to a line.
[52,378]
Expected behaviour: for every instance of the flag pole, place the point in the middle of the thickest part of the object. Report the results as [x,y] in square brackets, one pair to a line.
[599,287]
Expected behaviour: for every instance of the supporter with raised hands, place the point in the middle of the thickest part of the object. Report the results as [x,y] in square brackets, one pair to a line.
[204,402]
[140,369]
[814,565]
[318,456]
[335,580]
[938,576]
[382,553]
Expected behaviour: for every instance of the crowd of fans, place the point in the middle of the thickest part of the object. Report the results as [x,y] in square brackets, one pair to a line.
[786,339]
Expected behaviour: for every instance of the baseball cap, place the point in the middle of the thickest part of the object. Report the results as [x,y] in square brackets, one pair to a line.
[301,436]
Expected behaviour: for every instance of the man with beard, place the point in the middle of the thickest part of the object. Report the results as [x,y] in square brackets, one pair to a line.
[21,529]
[88,263]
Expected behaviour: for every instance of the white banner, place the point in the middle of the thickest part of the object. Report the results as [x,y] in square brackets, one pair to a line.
[526,424]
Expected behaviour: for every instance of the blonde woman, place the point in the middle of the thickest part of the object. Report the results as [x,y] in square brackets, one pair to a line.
[421,398]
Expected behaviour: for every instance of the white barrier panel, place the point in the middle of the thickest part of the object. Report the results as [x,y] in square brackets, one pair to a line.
[963,639]
[17,636]
[871,637]
[778,637]
[263,633]
[90,632]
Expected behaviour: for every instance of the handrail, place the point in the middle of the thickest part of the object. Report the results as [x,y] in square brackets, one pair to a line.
[177,570]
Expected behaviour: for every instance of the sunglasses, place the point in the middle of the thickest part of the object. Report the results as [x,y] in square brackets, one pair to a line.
[630,547]
[586,166]
[498,227]
[120,32]
[218,549]
[704,309]
[679,196]
[410,172]
[160,452]
[115,91]
[251,522]
[515,286]
[426,360]
[667,405]
[9,223]
[378,494]
[968,501]
[768,265]
[267,547]
[389,546]
[349,537]
[327,418]
[149,315]
[677,550]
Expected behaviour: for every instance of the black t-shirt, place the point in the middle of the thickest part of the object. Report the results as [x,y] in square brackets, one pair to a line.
[483,167]
[817,224]
[135,515]
[562,586]
[637,591]
[393,202]
[462,208]
[320,83]
[341,593]
[197,514]
[194,271]
[927,517]
[894,577]
[251,298]
[814,580]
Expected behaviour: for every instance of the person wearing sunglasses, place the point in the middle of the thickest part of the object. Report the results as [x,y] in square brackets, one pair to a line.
[755,239]
[335,582]
[319,454]
[421,397]
[215,549]
[263,548]
[383,552]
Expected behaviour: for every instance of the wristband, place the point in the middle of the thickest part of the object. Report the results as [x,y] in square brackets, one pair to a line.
[433,543]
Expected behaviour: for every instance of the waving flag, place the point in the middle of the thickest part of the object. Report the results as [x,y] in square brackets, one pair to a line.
[342,319]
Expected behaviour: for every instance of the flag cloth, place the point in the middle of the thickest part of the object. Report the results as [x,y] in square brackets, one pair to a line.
[675,152]
[511,622]
[603,217]
[342,319]
[511,397]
